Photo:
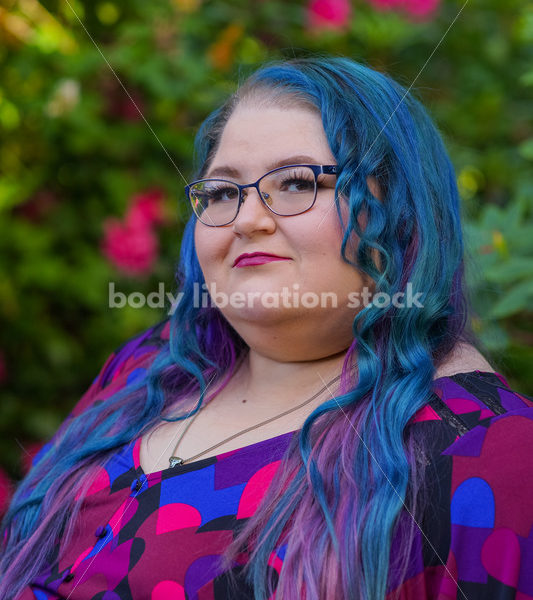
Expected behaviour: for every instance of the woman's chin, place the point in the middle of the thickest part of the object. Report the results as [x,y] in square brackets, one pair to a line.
[260,313]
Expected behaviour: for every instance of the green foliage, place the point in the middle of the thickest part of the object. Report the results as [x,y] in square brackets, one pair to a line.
[75,150]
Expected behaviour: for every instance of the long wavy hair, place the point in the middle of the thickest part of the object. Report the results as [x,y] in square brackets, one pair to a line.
[343,505]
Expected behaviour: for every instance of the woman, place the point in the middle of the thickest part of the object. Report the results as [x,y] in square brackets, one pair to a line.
[335,447]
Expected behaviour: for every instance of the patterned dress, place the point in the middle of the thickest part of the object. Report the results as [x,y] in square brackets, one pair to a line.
[158,536]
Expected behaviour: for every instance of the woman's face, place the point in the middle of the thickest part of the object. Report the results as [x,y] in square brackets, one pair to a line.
[254,141]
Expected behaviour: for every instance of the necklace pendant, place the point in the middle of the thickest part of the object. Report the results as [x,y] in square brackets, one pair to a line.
[175,460]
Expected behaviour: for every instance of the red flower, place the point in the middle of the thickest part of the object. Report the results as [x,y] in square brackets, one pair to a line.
[118,104]
[416,8]
[421,8]
[130,247]
[127,108]
[38,207]
[328,14]
[146,209]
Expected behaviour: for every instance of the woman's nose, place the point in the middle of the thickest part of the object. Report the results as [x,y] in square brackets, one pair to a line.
[253,215]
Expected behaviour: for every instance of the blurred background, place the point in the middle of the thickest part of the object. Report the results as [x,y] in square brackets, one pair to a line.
[91,176]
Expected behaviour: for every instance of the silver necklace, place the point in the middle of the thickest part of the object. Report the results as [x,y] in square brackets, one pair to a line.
[177,460]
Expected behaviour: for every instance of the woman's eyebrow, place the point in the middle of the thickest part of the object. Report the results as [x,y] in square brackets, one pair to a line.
[300,159]
[227,171]
[224,171]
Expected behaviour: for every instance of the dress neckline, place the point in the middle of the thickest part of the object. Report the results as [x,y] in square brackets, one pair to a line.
[195,464]
[200,462]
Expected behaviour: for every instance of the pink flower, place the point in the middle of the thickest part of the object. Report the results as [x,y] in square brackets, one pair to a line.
[5,491]
[131,247]
[146,209]
[328,14]
[421,8]
[416,8]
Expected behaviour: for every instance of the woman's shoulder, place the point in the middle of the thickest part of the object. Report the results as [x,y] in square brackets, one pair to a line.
[464,405]
[489,425]
[475,436]
[476,398]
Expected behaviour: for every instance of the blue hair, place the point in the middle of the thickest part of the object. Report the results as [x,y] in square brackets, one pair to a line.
[335,507]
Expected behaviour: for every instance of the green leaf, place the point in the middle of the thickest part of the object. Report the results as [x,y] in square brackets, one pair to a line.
[526,149]
[517,299]
[509,271]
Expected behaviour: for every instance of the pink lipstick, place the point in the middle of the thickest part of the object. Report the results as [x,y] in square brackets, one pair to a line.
[256,258]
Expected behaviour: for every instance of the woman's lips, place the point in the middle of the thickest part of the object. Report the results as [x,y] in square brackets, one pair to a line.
[252,260]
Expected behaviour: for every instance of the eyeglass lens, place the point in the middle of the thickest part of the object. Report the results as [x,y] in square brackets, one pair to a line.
[286,192]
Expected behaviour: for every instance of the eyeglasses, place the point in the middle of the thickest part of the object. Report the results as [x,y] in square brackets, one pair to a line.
[285,191]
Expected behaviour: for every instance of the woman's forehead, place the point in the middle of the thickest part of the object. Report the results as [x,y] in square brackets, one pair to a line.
[259,135]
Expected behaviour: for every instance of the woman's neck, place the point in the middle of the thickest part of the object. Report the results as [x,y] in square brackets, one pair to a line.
[263,381]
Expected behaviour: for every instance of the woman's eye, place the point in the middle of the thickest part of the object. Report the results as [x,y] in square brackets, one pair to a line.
[297,185]
[226,194]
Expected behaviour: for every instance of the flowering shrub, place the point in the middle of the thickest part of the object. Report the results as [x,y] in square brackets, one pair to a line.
[336,14]
[132,245]
[146,209]
[414,8]
[131,248]
[92,193]
[329,14]
[421,8]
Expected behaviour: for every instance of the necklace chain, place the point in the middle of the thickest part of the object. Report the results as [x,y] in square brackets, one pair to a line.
[176,460]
